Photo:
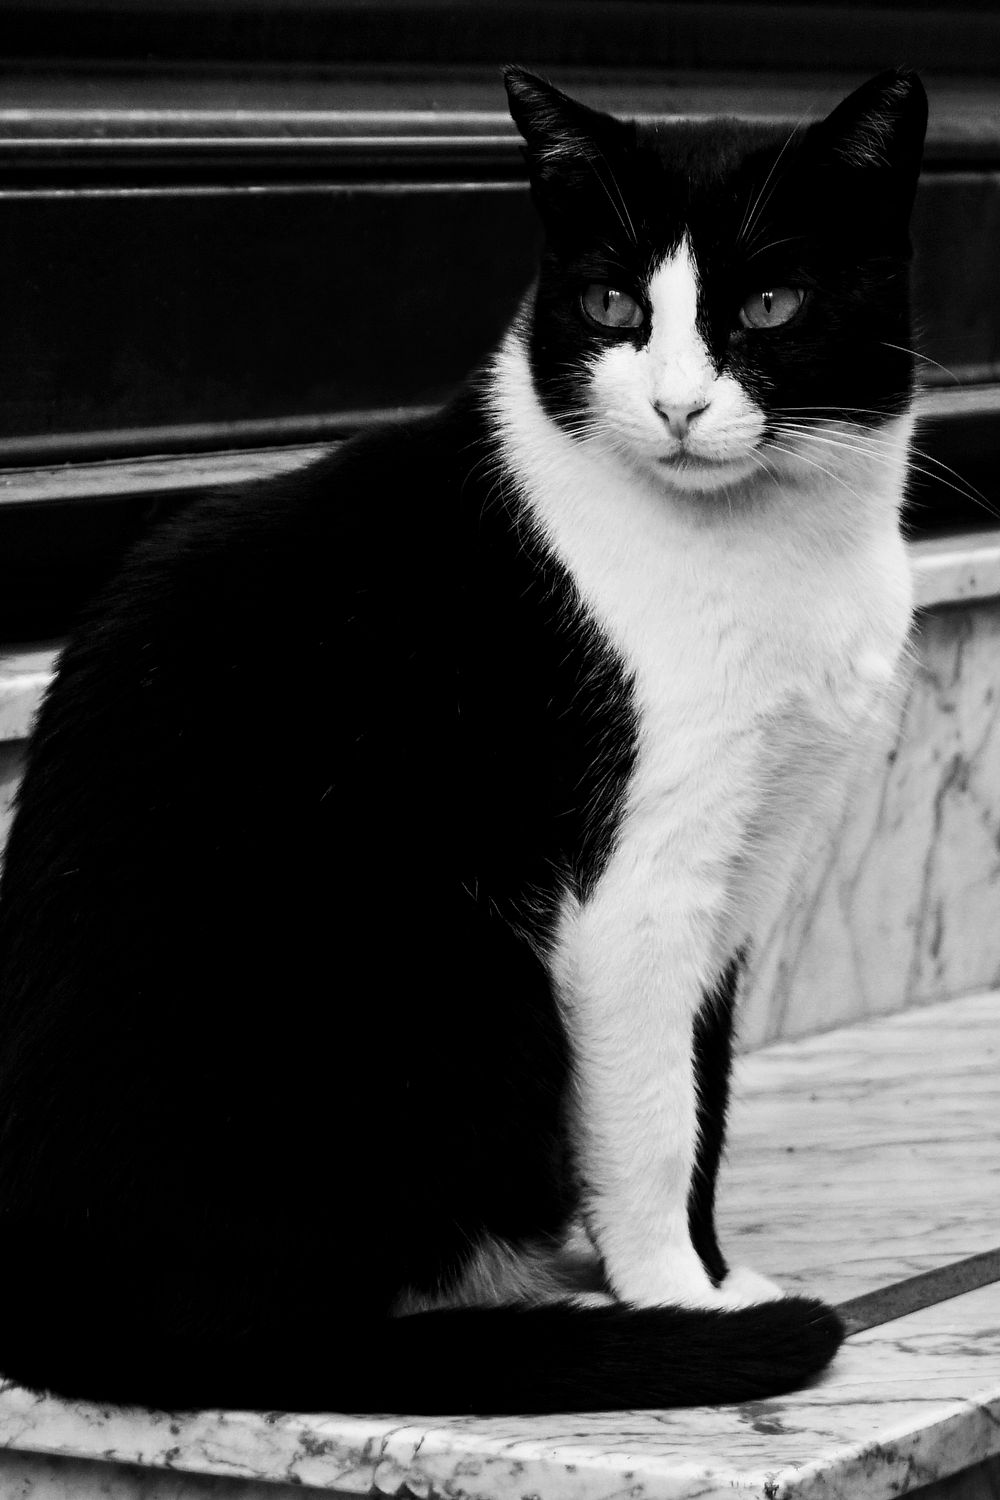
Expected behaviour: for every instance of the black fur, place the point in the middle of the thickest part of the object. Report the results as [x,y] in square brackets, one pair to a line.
[713,1053]
[277,1042]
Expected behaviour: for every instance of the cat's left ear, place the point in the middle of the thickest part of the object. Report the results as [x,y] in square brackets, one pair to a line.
[879,130]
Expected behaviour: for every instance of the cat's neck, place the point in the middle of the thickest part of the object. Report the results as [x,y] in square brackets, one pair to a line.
[780,559]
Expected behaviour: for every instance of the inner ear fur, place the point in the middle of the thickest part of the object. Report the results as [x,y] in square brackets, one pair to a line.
[559,133]
[878,128]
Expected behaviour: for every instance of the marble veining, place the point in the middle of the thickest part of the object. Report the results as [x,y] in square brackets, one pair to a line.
[899,906]
[888,1129]
[885,1176]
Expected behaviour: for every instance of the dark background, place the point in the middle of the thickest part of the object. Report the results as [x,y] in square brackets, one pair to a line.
[241,224]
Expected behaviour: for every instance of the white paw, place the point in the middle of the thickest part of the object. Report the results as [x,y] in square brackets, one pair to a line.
[594,1299]
[675,1279]
[743,1287]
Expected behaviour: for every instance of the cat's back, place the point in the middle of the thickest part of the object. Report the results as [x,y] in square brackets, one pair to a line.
[235,685]
[265,558]
[236,608]
[237,725]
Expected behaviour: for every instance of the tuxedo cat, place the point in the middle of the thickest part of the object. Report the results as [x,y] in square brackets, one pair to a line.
[394,831]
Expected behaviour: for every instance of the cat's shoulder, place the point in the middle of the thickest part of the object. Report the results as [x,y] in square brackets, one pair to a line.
[369,508]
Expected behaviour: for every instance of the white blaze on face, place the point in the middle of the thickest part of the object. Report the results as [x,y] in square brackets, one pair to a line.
[680,374]
[648,396]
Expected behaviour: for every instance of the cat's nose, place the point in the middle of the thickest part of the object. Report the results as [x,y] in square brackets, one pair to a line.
[679,418]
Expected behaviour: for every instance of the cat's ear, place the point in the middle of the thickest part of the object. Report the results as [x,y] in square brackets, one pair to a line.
[563,138]
[879,130]
[555,127]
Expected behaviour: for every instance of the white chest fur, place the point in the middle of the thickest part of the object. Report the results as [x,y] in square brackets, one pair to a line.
[762,629]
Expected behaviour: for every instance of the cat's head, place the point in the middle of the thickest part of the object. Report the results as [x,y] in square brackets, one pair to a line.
[716,297]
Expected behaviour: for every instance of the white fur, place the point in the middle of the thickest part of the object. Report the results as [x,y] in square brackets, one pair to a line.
[762,613]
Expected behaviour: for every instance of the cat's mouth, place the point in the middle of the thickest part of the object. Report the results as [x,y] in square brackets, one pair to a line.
[685,459]
[699,471]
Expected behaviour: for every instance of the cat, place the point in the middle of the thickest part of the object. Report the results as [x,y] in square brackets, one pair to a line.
[394,831]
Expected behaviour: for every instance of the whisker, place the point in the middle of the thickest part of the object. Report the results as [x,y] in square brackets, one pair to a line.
[751,217]
[773,244]
[833,412]
[919,462]
[925,357]
[856,442]
[837,478]
[621,200]
[875,448]
[750,214]
[621,207]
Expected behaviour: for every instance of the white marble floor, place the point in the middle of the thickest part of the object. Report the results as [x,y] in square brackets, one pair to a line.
[868,1153]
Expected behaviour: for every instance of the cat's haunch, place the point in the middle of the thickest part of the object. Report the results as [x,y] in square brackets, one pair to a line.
[372,1051]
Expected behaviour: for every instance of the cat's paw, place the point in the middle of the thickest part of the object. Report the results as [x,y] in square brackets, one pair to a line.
[594,1299]
[675,1279]
[743,1287]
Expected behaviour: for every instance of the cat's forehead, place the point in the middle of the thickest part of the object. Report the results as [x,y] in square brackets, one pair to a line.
[692,181]
[705,152]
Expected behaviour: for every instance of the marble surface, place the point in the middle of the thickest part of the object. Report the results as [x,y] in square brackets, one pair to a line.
[25,673]
[982,1482]
[952,569]
[893,1127]
[868,1153]
[899,906]
[11,771]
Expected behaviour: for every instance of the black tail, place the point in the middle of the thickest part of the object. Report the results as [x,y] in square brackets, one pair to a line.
[490,1361]
[505,1361]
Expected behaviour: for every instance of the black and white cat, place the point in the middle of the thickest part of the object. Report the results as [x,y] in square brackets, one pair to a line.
[393,831]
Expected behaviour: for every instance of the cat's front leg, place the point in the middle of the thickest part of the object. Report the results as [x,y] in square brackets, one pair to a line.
[634,964]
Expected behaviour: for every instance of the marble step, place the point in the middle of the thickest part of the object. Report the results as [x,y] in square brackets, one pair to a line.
[857,1157]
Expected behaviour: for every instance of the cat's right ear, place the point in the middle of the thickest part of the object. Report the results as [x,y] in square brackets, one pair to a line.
[563,138]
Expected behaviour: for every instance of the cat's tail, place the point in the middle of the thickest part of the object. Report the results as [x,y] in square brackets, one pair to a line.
[472,1361]
[558,1358]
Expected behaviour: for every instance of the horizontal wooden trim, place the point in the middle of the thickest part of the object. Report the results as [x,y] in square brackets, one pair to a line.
[148,477]
[30,481]
[449,125]
[959,400]
[445,174]
[596,33]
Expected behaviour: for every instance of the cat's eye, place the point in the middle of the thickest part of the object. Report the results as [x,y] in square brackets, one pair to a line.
[611,307]
[771,309]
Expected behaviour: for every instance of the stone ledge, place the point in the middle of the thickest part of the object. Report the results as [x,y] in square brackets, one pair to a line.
[858,1157]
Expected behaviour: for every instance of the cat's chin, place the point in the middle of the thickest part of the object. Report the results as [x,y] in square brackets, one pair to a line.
[702,476]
